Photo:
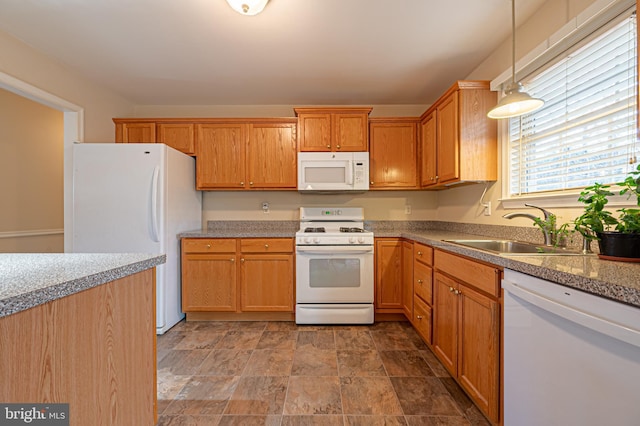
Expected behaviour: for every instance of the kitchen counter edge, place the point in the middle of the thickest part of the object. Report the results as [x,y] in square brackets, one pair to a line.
[29,280]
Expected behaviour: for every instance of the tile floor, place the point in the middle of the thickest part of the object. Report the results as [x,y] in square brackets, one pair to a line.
[277,373]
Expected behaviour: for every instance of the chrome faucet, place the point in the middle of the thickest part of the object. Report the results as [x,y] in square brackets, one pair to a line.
[547,231]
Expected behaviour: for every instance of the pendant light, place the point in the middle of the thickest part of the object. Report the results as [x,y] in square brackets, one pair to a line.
[516,101]
[247,7]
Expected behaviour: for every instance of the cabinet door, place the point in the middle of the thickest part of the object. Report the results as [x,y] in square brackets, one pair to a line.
[271,156]
[407,279]
[448,140]
[136,132]
[209,282]
[350,132]
[266,282]
[178,136]
[220,156]
[315,132]
[445,322]
[428,173]
[389,276]
[392,155]
[479,343]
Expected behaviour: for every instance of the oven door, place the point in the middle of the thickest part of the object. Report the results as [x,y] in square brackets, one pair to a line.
[334,274]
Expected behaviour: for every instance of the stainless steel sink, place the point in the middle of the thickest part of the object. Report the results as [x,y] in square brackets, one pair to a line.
[512,247]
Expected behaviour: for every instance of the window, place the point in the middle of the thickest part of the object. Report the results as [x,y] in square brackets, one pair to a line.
[586,132]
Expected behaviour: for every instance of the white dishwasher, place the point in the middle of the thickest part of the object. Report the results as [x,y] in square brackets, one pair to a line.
[570,358]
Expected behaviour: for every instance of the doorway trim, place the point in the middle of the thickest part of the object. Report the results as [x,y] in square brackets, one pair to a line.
[73,116]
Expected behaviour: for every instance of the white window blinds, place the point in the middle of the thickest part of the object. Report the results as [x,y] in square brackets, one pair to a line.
[586,132]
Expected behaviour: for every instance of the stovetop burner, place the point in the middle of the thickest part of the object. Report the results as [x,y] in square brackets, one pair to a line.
[348,229]
[316,229]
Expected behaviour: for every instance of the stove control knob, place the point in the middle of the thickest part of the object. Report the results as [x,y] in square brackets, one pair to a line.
[307,240]
[361,240]
[352,240]
[316,240]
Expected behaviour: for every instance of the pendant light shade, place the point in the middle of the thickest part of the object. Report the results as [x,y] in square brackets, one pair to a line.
[248,7]
[516,101]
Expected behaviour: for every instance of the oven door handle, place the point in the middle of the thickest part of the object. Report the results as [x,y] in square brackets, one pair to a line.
[334,249]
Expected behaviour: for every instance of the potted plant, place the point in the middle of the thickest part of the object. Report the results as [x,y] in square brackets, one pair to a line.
[618,238]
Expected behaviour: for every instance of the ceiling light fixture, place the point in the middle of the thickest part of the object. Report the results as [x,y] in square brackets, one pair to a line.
[248,7]
[516,101]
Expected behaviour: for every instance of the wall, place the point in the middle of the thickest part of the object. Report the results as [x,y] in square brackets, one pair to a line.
[462,204]
[32,176]
[88,108]
[100,105]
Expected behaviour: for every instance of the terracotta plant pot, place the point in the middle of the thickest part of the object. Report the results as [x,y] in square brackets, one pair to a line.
[618,246]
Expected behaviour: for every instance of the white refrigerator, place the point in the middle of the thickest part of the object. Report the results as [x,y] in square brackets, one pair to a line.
[136,198]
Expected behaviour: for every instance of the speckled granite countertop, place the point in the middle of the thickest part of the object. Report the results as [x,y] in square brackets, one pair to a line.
[619,281]
[29,280]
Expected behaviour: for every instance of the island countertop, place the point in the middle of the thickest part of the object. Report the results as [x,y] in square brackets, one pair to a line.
[29,280]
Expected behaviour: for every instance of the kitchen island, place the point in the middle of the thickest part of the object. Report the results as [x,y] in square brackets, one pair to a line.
[80,329]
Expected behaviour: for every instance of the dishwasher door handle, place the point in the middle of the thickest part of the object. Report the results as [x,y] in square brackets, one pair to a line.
[587,319]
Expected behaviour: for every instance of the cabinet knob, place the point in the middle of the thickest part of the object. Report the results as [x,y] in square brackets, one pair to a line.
[432,178]
[328,146]
[232,259]
[208,246]
[457,292]
[451,289]
[371,183]
[419,317]
[419,253]
[437,177]
[338,146]
[242,260]
[241,183]
[266,246]
[419,281]
[250,183]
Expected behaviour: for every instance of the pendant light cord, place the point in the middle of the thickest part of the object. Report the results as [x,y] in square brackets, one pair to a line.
[513,41]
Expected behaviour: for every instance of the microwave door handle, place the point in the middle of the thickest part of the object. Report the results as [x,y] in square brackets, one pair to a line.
[350,172]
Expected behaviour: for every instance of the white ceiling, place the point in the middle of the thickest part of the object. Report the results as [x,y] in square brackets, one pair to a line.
[296,52]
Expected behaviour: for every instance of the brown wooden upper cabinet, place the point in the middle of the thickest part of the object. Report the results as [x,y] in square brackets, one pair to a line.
[333,129]
[176,134]
[246,155]
[393,153]
[458,140]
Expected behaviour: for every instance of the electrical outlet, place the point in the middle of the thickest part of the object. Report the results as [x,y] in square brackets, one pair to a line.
[487,208]
[265,207]
[407,209]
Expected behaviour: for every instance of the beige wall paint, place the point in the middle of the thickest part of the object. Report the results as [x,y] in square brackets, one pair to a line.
[284,205]
[31,152]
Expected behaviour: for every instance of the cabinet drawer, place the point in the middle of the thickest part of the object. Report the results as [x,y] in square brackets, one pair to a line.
[423,253]
[422,319]
[208,245]
[266,245]
[422,282]
[479,275]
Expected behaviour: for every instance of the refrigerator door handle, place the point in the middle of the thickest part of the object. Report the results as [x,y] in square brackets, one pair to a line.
[154,204]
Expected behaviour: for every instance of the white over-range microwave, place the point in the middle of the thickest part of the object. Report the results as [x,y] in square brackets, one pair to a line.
[333,171]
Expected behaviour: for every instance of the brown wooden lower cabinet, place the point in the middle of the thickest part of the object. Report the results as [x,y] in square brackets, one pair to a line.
[237,275]
[466,327]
